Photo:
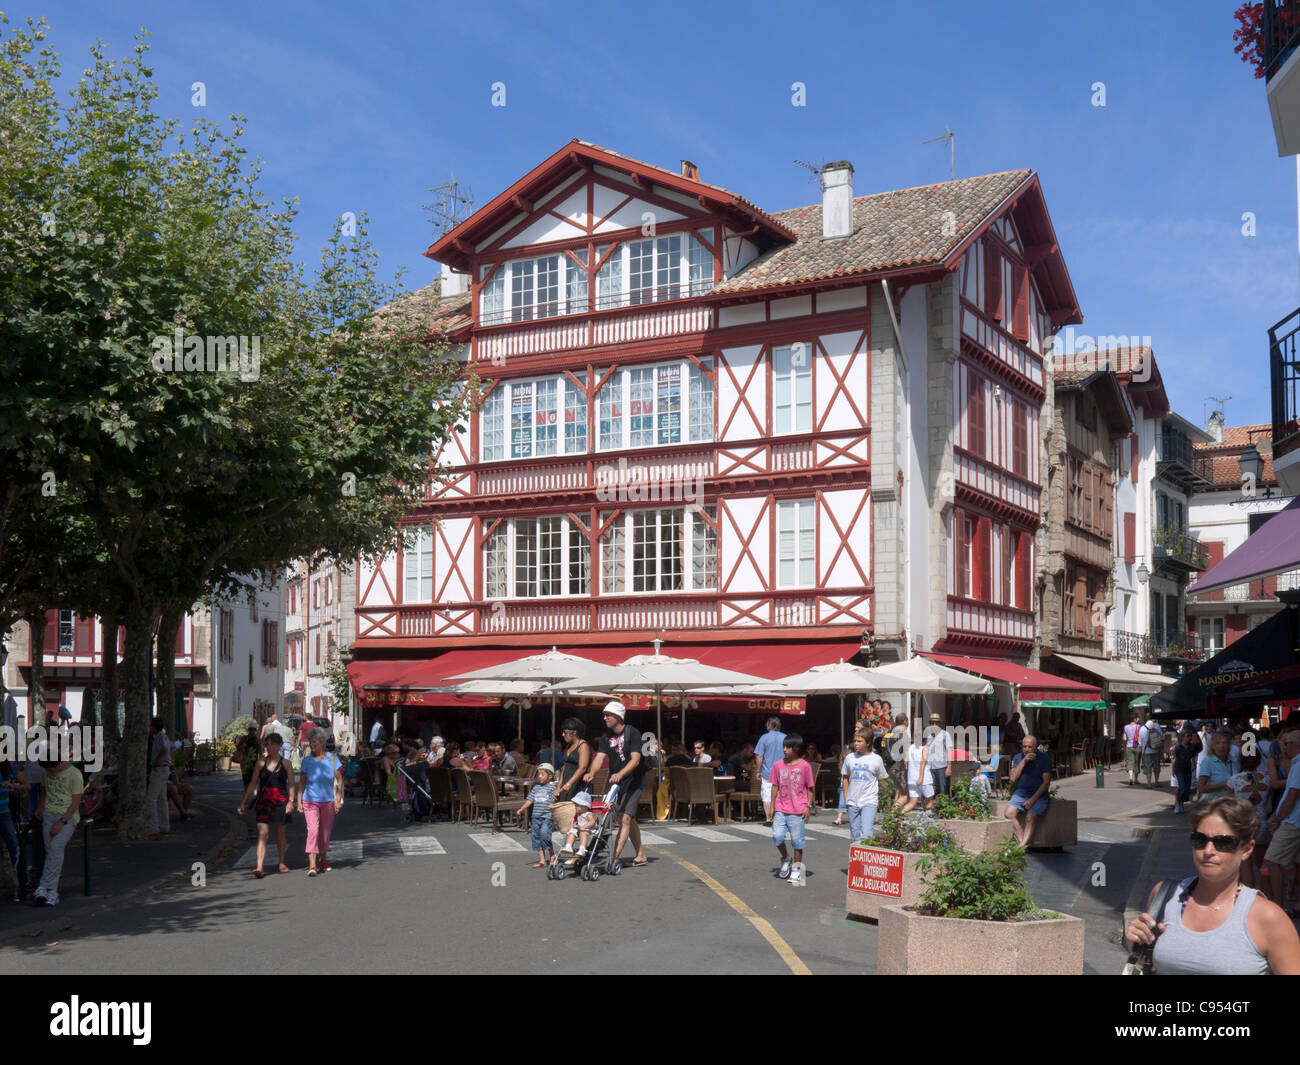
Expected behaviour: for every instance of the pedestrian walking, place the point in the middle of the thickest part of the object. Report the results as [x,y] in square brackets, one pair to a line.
[1284,850]
[769,750]
[539,800]
[1184,765]
[792,783]
[61,791]
[919,783]
[860,778]
[938,755]
[320,790]
[576,759]
[620,746]
[1151,738]
[1132,748]
[273,785]
[1212,776]
[160,771]
[1213,925]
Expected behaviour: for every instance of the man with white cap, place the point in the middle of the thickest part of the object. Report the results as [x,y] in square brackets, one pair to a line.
[620,745]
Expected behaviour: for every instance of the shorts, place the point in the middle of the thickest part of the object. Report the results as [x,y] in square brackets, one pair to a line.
[542,830]
[795,823]
[1151,763]
[626,800]
[272,813]
[1132,759]
[765,788]
[1018,801]
[1285,848]
[922,790]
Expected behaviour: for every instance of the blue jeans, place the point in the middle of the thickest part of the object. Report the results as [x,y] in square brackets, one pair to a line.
[541,832]
[939,778]
[1184,787]
[793,822]
[862,822]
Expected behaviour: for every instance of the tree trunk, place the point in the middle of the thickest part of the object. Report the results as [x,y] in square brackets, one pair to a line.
[36,690]
[108,696]
[133,755]
[165,673]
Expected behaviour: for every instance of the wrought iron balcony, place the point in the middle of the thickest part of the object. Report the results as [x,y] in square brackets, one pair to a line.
[1279,33]
[1177,549]
[1284,372]
[1177,460]
[1151,647]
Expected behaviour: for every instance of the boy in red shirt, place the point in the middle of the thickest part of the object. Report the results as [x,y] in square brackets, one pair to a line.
[792,786]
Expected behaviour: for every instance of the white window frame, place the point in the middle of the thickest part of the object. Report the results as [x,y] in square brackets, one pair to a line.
[547,557]
[1206,627]
[632,563]
[691,263]
[417,567]
[556,435]
[618,427]
[792,389]
[796,543]
[512,291]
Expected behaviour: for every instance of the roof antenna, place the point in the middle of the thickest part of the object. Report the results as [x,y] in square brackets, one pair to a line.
[454,204]
[951,138]
[1220,407]
[816,167]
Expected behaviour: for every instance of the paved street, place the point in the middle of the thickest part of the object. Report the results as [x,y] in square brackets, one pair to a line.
[464,899]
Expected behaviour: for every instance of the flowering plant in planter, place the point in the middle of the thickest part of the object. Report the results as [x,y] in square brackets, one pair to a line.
[965,803]
[980,886]
[915,832]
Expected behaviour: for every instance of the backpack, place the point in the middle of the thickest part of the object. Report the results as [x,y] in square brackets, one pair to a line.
[1152,738]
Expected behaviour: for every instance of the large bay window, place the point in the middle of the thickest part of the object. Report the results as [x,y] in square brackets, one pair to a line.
[657,268]
[418,565]
[536,410]
[673,550]
[796,544]
[643,406]
[528,558]
[792,389]
[522,290]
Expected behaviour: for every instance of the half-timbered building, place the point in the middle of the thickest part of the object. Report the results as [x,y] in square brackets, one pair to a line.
[758,436]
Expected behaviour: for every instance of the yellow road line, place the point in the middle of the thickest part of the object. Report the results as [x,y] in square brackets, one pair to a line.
[764,927]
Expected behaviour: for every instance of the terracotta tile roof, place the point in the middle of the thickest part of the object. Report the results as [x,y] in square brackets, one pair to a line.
[449,314]
[1223,469]
[905,227]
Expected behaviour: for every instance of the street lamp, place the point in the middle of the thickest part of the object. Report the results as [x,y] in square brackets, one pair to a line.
[1143,574]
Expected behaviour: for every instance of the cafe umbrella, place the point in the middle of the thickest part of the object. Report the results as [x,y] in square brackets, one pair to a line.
[543,669]
[655,674]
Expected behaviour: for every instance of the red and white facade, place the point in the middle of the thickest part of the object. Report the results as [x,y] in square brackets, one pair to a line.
[718,427]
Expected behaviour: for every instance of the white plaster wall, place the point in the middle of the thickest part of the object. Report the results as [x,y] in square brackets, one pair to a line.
[738,517]
[831,401]
[743,426]
[916,486]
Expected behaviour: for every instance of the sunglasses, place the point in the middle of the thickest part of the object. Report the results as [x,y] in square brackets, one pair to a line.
[1222,844]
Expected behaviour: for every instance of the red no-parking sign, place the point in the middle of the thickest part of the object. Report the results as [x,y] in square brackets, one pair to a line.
[875,872]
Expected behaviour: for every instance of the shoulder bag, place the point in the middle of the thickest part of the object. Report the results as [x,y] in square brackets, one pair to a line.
[1140,961]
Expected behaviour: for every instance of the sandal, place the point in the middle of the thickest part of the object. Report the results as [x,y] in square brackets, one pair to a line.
[285,869]
[311,872]
[638,865]
[837,821]
[258,874]
[538,865]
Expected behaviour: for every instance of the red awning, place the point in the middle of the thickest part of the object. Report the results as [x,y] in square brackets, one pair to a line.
[1033,684]
[404,681]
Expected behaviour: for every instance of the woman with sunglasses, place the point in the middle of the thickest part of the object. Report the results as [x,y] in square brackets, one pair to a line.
[577,758]
[1214,925]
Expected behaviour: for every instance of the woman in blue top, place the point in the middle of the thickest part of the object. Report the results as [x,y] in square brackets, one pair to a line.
[320,783]
[1214,772]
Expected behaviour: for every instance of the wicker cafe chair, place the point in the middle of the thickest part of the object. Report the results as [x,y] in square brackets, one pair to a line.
[464,797]
[486,799]
[751,796]
[440,788]
[697,789]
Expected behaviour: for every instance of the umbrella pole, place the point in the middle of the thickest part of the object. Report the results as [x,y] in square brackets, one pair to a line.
[841,724]
[552,721]
[659,724]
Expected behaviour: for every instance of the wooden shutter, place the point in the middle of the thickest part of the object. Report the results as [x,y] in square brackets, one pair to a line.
[1235,628]
[1024,548]
[1019,439]
[983,584]
[1130,536]
[962,565]
[83,636]
[1107,505]
[1082,608]
[992,281]
[1020,309]
[51,632]
[975,430]
[1006,587]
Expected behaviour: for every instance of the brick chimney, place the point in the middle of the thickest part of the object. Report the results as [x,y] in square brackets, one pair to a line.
[837,200]
[690,170]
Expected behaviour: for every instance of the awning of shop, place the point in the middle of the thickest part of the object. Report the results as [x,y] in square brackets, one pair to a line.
[1063,704]
[1263,667]
[1032,684]
[409,682]
[1273,548]
[1121,679]
[1140,703]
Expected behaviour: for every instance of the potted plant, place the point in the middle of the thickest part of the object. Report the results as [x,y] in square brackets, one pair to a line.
[224,750]
[967,814]
[977,918]
[883,869]
[205,757]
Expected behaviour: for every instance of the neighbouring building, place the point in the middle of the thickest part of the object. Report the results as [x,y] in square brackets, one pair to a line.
[326,598]
[768,439]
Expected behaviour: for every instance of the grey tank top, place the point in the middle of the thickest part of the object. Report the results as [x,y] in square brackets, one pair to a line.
[1226,951]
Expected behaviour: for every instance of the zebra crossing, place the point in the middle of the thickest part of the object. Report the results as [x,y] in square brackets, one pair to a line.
[453,841]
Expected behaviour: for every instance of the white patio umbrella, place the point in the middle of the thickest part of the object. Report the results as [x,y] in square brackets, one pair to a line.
[542,669]
[843,678]
[657,673]
[510,691]
[942,678]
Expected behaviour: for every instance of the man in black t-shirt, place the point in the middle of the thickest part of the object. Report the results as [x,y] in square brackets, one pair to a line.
[620,746]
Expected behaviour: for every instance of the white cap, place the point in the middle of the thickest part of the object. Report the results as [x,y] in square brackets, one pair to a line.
[583,798]
[617,709]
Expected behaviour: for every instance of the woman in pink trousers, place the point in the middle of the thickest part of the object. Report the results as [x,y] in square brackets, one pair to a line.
[320,787]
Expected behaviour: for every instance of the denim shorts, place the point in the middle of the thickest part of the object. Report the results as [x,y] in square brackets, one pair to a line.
[542,829]
[793,822]
[1039,808]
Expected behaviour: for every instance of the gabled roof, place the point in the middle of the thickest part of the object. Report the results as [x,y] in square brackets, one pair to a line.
[455,247]
[1106,391]
[1223,469]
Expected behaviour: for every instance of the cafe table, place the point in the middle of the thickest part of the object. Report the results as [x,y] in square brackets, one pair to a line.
[722,788]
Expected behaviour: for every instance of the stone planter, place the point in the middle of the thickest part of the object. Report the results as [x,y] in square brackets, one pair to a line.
[873,872]
[204,768]
[223,764]
[1059,827]
[979,835]
[910,944]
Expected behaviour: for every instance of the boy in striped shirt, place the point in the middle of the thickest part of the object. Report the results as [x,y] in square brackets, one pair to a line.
[539,800]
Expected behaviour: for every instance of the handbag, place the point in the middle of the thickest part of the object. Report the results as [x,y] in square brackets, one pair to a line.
[1140,961]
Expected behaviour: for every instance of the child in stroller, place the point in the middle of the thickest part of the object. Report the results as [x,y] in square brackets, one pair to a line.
[584,824]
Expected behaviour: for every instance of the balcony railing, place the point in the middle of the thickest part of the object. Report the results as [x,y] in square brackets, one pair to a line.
[1280,32]
[1178,548]
[1178,458]
[1151,647]
[1284,371]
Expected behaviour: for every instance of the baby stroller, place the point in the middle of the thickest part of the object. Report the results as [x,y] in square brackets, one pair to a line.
[420,801]
[600,856]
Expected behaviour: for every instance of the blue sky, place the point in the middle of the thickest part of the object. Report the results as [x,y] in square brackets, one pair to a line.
[361,107]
